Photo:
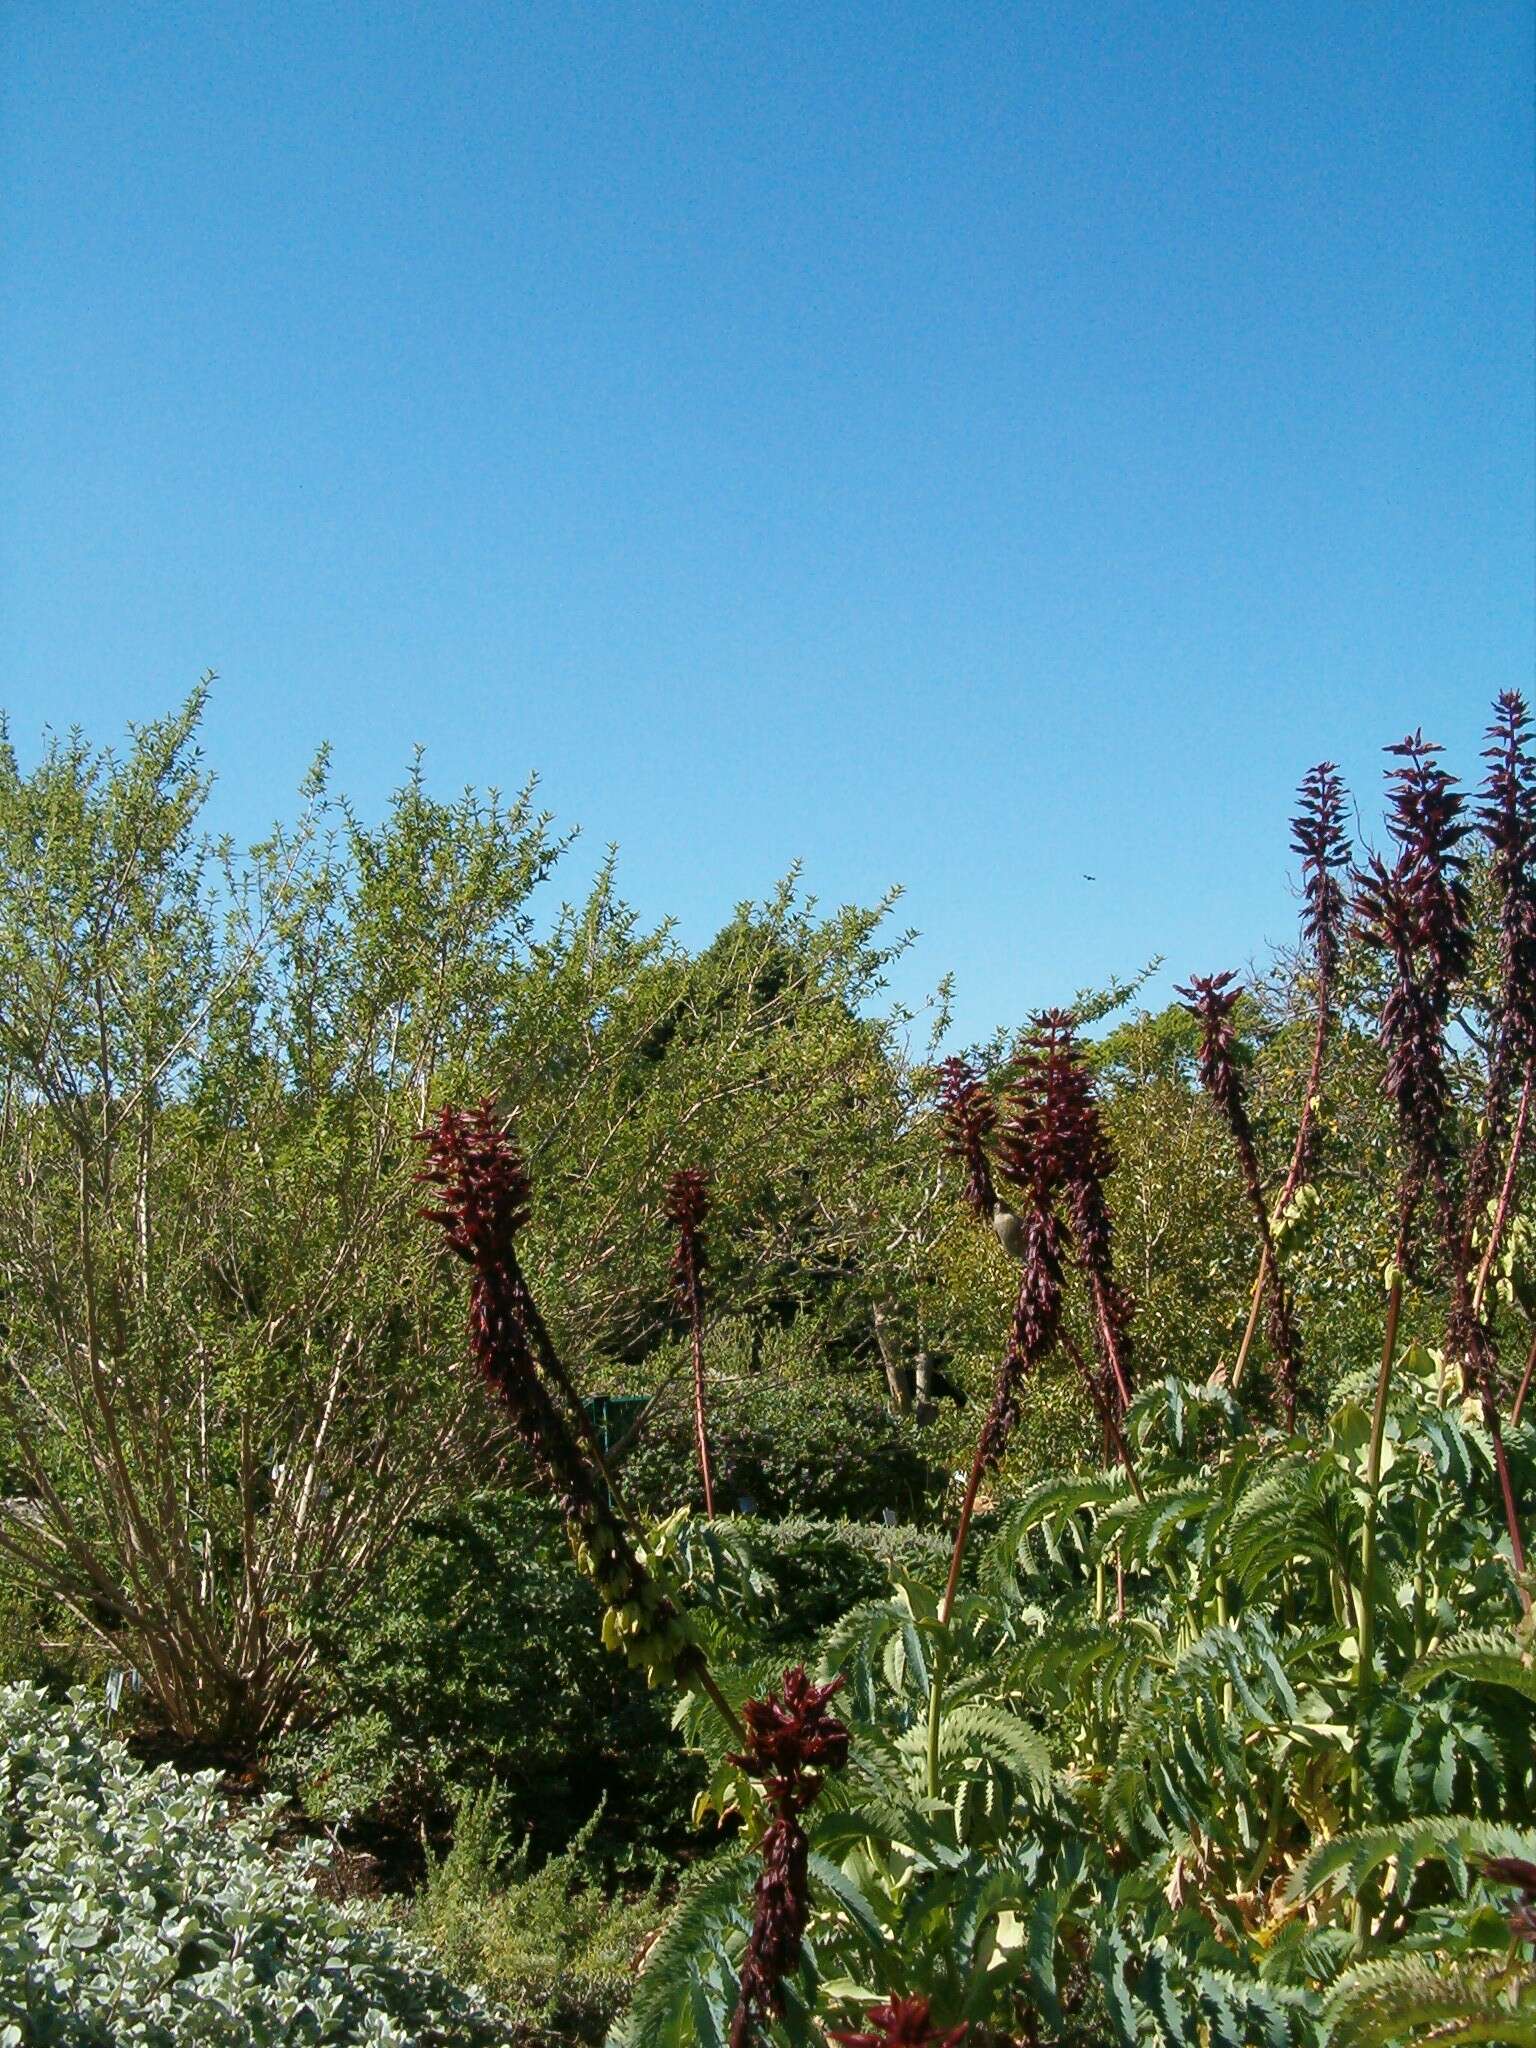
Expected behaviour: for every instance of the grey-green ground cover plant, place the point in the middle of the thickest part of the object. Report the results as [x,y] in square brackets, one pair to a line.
[135,1910]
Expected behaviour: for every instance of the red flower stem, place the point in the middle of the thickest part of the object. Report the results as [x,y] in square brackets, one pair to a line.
[1110,1421]
[586,1428]
[962,1533]
[1506,1488]
[700,1431]
[1525,1385]
[1108,1340]
[1501,1213]
[1254,1306]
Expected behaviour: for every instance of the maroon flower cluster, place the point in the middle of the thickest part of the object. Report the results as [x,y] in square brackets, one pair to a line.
[483,1198]
[792,1741]
[1048,1135]
[1056,1144]
[484,1187]
[1211,1000]
[1037,1145]
[969,1116]
[482,1204]
[687,1206]
[1516,1872]
[1507,819]
[1318,835]
[904,2023]
[1417,912]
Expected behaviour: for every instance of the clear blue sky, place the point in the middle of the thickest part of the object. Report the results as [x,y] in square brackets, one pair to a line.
[963,446]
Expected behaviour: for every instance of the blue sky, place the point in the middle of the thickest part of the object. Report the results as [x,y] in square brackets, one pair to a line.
[959,446]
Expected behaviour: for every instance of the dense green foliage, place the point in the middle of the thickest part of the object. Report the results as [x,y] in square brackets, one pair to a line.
[1150,1826]
[785,1436]
[556,1949]
[473,1662]
[232,1357]
[1211,1745]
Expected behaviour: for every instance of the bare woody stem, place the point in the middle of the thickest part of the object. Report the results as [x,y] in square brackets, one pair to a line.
[704,1679]
[1111,1348]
[962,1536]
[1506,1489]
[1256,1302]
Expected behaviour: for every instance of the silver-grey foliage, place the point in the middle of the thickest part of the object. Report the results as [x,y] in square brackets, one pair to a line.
[133,1909]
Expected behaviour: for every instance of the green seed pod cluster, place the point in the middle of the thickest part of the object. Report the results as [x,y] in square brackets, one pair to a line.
[1297,1217]
[641,1621]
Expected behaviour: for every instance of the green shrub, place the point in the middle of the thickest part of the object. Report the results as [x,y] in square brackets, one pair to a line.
[22,1621]
[473,1662]
[819,1570]
[549,1945]
[132,1909]
[785,1445]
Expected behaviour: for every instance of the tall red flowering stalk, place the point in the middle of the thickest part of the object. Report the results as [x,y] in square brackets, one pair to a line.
[482,1204]
[969,1115]
[1034,1143]
[1052,1105]
[1318,835]
[1418,912]
[483,1201]
[791,1742]
[1065,1113]
[904,2023]
[687,1206]
[1034,1163]
[1211,999]
[1507,821]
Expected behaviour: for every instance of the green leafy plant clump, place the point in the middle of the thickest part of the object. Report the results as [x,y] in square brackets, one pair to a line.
[133,1908]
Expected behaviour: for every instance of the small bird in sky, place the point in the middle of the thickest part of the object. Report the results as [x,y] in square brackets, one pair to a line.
[1090,878]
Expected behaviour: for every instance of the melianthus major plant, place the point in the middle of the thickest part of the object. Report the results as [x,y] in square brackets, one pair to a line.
[1280,1785]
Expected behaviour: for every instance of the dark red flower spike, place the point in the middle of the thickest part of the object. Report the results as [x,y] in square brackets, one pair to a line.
[969,1116]
[792,1741]
[904,2023]
[1211,1000]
